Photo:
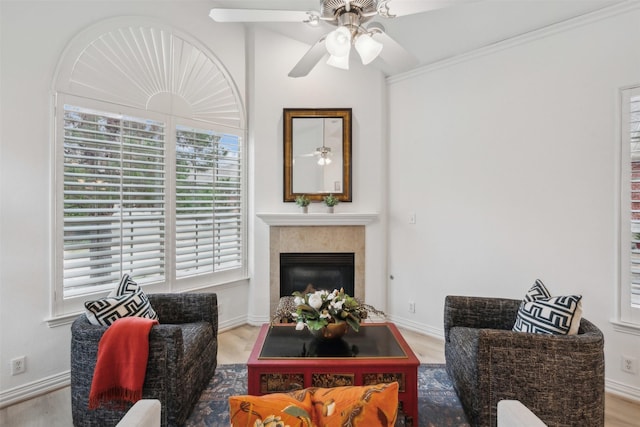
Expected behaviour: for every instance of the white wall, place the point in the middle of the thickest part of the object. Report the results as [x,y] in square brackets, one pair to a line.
[508,159]
[33,37]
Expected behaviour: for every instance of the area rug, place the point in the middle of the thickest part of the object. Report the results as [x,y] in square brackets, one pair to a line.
[438,404]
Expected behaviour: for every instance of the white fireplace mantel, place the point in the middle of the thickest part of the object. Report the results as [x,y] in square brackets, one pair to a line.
[314,219]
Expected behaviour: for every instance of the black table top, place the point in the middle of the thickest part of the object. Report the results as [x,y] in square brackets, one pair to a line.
[371,341]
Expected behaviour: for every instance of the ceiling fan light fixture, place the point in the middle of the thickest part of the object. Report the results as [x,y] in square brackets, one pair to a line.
[323,161]
[341,62]
[338,42]
[367,48]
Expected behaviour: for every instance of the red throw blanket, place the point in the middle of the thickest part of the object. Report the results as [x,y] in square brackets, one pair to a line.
[122,362]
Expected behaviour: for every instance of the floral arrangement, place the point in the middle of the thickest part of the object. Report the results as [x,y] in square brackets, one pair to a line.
[317,309]
[330,200]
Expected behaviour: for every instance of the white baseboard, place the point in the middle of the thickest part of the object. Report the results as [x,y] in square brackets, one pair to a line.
[34,389]
[622,390]
[417,327]
[231,323]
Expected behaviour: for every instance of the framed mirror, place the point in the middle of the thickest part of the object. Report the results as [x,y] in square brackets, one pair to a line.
[317,153]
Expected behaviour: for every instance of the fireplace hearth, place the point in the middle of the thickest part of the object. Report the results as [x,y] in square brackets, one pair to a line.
[302,271]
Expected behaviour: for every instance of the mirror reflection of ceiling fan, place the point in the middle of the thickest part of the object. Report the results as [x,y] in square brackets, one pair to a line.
[349,16]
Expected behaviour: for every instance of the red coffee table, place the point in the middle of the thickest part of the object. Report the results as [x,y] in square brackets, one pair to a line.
[284,359]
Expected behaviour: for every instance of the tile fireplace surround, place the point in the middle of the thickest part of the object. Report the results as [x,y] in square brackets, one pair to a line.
[316,233]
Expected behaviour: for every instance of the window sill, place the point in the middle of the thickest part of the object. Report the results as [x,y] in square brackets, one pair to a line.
[625,327]
[62,320]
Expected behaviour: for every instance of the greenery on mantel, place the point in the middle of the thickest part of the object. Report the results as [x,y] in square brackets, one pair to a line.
[302,200]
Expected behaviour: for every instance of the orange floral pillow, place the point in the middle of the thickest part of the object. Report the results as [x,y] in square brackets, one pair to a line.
[271,410]
[364,406]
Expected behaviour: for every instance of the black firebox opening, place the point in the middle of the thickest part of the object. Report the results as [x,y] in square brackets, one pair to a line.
[322,271]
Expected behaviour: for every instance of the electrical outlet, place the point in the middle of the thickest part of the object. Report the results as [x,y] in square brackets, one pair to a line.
[412,307]
[18,365]
[629,364]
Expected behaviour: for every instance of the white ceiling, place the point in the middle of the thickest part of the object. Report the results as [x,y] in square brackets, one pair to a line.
[459,28]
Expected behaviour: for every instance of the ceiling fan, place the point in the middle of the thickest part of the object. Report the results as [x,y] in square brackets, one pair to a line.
[349,16]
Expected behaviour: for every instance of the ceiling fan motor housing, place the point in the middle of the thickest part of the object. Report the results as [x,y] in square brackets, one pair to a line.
[333,9]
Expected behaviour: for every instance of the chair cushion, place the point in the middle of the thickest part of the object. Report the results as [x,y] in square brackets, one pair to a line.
[541,313]
[124,301]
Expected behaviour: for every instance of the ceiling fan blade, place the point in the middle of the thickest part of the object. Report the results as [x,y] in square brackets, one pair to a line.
[394,55]
[258,15]
[410,7]
[310,59]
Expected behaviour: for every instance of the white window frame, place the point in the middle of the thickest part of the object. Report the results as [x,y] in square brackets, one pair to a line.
[71,305]
[628,315]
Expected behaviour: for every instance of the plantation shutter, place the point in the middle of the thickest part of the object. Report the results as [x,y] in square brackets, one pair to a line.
[114,199]
[633,129]
[208,202]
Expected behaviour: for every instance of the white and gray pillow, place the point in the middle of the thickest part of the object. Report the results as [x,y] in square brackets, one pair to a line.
[541,313]
[127,299]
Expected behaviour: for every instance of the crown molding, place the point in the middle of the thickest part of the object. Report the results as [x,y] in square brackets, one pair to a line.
[560,27]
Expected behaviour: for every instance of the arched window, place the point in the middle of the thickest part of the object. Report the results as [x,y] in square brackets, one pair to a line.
[150,176]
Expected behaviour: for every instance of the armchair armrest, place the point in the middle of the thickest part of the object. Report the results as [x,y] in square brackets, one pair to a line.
[479,313]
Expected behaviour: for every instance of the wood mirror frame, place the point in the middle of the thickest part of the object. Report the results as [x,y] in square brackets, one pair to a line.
[300,154]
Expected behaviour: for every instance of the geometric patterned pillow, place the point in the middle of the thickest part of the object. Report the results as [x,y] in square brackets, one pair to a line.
[374,405]
[555,315]
[126,300]
[537,291]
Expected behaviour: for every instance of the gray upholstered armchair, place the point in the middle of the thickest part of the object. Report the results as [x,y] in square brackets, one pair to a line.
[560,378]
[182,359]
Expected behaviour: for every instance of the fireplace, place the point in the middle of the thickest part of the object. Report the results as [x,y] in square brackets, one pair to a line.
[316,239]
[300,271]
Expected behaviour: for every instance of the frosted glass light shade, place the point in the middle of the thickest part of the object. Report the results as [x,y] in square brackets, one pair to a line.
[367,48]
[339,61]
[338,42]
[322,161]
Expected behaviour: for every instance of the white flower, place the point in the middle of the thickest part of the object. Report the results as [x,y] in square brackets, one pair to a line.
[325,315]
[315,300]
[337,304]
[300,326]
[298,301]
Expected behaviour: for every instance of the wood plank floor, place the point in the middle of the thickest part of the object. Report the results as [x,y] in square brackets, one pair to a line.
[54,409]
